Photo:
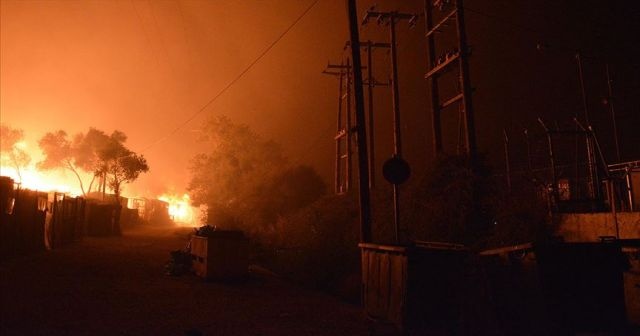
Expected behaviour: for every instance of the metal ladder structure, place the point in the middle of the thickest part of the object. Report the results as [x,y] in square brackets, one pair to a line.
[343,137]
[448,54]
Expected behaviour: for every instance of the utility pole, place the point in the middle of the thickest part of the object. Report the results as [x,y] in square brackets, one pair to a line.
[592,178]
[438,16]
[585,106]
[363,188]
[392,18]
[552,162]
[371,83]
[343,133]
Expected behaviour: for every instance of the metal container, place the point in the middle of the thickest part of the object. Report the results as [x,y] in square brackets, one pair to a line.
[222,255]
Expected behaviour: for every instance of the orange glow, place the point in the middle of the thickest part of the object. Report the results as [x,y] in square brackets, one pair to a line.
[180,208]
[32,178]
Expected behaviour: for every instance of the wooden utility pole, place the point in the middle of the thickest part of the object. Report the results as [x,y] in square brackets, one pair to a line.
[363,171]
[392,18]
[371,83]
[343,166]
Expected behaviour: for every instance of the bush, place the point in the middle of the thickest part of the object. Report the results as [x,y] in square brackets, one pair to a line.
[450,203]
[318,246]
[519,217]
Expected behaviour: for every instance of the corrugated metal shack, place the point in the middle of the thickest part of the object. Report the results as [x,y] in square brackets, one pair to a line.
[32,221]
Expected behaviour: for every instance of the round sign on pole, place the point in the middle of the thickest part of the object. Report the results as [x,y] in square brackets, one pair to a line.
[396,170]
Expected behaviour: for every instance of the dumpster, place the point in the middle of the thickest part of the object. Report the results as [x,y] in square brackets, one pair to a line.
[221,255]
[557,288]
[414,287]
[632,285]
[515,297]
[631,249]
[578,280]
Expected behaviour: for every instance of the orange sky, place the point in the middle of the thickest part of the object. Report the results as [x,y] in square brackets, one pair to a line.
[144,67]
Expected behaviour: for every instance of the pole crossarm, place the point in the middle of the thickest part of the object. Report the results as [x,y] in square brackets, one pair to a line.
[369,44]
[385,17]
[338,69]
[375,82]
[344,67]
[443,22]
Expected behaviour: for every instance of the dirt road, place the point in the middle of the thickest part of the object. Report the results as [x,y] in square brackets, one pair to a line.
[117,286]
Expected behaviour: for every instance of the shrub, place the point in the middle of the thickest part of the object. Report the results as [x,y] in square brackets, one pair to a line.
[451,202]
[318,245]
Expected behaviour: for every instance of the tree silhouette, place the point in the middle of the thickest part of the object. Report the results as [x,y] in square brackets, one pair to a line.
[228,177]
[95,151]
[60,152]
[124,168]
[11,148]
[295,188]
[104,156]
[245,180]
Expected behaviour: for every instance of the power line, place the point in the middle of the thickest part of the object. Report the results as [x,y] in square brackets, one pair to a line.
[235,80]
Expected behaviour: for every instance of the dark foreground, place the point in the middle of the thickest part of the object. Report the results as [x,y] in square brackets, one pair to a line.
[117,286]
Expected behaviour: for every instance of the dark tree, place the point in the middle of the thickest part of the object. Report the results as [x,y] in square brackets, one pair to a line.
[104,156]
[296,188]
[244,179]
[124,168]
[60,152]
[11,150]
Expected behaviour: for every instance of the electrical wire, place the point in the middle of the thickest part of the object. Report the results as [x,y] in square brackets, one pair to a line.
[233,81]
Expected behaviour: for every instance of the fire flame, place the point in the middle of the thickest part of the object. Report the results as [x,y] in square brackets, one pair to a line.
[32,178]
[59,180]
[35,180]
[180,208]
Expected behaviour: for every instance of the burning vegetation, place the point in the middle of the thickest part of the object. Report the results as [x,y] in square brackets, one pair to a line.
[102,160]
[99,164]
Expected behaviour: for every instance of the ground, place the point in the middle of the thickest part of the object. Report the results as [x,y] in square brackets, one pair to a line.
[118,286]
